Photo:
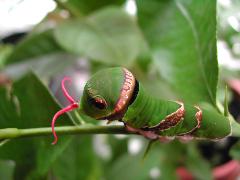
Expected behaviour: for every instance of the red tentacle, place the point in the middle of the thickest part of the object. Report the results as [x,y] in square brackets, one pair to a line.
[69,98]
[72,106]
[59,113]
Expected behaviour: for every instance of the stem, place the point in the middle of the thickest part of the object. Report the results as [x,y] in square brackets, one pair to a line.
[79,118]
[10,133]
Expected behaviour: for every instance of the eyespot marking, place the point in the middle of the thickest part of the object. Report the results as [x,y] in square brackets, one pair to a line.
[99,102]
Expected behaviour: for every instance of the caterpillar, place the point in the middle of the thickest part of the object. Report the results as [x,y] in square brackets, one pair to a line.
[115,94]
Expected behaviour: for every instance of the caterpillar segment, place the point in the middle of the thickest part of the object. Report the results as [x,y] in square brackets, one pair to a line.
[170,120]
[175,120]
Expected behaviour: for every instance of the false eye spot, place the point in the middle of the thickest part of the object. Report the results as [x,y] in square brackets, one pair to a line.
[99,102]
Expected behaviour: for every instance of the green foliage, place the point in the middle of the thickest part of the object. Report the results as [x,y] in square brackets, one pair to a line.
[169,45]
[108,35]
[80,161]
[28,104]
[6,169]
[35,45]
[197,165]
[84,7]
[182,38]
[5,51]
[234,152]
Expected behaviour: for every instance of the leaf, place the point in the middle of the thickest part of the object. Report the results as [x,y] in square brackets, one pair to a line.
[5,51]
[78,161]
[88,6]
[6,169]
[163,159]
[133,167]
[182,37]
[148,148]
[235,127]
[29,105]
[47,155]
[33,46]
[199,167]
[109,35]
[118,147]
[235,151]
[45,66]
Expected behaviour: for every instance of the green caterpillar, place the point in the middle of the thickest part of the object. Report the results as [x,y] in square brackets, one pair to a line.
[115,94]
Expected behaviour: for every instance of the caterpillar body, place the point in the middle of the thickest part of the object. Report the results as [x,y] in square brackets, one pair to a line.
[115,94]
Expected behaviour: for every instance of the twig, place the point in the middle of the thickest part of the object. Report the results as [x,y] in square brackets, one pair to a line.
[10,133]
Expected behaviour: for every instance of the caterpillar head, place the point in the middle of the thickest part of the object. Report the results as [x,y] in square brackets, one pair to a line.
[108,93]
[106,96]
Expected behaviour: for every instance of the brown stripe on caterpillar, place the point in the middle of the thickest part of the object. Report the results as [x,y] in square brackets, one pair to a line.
[170,120]
[198,117]
[126,87]
[128,81]
[126,92]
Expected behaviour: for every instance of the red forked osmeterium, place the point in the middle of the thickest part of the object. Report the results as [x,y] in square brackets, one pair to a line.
[73,105]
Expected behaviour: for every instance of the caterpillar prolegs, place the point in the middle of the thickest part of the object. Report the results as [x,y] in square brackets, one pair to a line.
[115,94]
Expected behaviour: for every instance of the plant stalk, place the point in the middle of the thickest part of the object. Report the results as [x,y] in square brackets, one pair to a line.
[10,133]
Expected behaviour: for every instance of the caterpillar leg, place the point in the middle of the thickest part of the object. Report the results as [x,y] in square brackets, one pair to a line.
[185,138]
[149,134]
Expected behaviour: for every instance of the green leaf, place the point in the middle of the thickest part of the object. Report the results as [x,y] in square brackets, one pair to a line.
[34,45]
[47,155]
[87,6]
[6,169]
[109,35]
[162,158]
[149,147]
[182,37]
[133,167]
[235,127]
[199,167]
[45,66]
[5,51]
[235,151]
[78,161]
[118,147]
[27,105]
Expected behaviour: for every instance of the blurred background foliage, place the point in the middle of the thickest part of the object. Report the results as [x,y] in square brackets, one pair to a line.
[170,46]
